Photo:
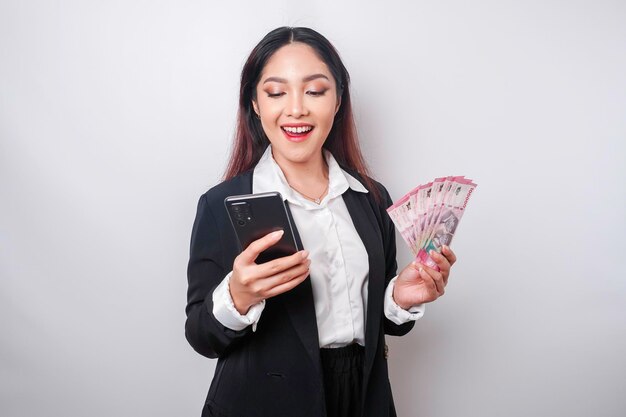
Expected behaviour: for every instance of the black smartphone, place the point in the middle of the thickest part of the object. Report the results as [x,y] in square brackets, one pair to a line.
[255,215]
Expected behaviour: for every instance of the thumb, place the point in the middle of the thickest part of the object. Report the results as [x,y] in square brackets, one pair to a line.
[255,248]
[411,273]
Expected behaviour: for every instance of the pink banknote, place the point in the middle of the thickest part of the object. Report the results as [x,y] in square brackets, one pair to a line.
[428,216]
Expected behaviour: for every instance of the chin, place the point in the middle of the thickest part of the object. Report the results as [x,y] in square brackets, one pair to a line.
[300,155]
[297,152]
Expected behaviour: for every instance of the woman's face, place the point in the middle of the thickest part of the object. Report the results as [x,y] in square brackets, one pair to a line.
[297,102]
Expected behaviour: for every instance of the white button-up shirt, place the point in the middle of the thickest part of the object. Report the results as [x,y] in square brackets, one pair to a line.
[339,267]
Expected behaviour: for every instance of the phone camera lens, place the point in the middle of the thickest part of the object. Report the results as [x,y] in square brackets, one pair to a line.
[241,223]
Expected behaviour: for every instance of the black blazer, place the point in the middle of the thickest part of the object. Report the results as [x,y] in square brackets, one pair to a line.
[276,371]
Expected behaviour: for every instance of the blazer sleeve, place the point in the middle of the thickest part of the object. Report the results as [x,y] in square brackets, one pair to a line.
[205,271]
[391,265]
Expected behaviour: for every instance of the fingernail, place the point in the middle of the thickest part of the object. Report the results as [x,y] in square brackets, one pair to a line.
[421,270]
[433,253]
[277,234]
[304,253]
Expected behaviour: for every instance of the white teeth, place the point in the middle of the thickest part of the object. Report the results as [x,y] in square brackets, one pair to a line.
[301,129]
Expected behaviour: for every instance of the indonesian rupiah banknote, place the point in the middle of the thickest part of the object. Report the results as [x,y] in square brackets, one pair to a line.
[428,215]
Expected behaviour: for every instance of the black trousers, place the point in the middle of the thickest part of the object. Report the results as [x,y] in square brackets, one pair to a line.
[343,380]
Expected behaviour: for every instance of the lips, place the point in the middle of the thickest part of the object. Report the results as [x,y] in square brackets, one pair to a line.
[297,133]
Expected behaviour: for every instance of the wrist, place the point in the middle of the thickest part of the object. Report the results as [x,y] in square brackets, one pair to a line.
[239,302]
[398,300]
[241,306]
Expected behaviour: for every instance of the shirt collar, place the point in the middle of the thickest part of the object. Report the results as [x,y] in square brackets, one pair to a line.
[269,177]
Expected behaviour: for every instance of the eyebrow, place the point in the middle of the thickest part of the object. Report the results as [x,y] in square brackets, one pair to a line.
[305,79]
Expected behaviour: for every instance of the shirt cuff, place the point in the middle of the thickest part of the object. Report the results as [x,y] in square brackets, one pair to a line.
[225,312]
[397,314]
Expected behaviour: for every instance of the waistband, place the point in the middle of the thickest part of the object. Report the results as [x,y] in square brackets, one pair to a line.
[351,351]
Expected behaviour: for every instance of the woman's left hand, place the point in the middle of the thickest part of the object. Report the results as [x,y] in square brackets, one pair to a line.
[418,283]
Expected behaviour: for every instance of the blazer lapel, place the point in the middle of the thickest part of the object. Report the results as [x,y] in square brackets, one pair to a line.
[299,302]
[301,309]
[367,226]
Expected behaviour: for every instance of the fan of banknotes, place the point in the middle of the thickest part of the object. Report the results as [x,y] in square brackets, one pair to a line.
[427,217]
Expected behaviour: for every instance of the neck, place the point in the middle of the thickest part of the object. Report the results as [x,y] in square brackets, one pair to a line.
[309,177]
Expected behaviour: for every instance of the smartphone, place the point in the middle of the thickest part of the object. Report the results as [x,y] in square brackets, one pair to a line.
[255,215]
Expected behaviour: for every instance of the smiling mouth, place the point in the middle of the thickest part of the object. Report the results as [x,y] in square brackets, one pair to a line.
[300,130]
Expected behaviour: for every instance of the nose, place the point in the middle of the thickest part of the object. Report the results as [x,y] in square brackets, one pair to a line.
[296,106]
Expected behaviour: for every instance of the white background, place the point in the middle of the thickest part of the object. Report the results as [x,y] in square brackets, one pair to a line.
[116,115]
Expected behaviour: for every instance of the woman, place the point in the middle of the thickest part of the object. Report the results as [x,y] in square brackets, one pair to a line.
[301,335]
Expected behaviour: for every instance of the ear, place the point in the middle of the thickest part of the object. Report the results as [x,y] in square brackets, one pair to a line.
[255,106]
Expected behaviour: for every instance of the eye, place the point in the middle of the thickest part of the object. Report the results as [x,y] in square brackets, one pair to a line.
[274,95]
[316,93]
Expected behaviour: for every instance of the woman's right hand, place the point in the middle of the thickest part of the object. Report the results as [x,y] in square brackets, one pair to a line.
[252,283]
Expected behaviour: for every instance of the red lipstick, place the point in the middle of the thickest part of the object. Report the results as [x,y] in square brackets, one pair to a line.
[297,132]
